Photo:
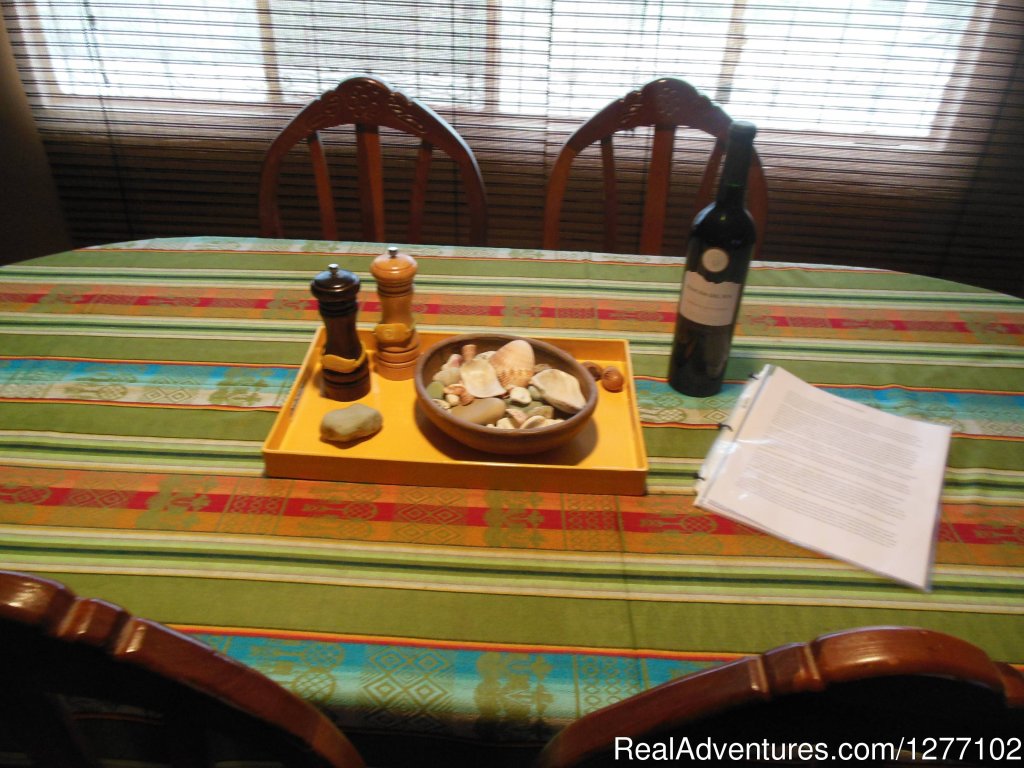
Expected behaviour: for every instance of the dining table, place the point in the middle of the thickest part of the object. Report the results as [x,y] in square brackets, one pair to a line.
[139,382]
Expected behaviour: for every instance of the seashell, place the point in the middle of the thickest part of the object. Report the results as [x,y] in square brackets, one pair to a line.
[612,379]
[454,361]
[468,352]
[486,355]
[519,396]
[505,423]
[541,367]
[459,392]
[480,379]
[448,376]
[452,399]
[534,421]
[544,410]
[514,363]
[517,416]
[560,389]
[444,405]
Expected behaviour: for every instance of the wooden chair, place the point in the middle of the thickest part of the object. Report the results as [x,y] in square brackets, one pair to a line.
[864,686]
[369,104]
[666,104]
[85,682]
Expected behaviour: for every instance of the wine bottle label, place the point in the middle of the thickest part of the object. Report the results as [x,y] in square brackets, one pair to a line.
[708,303]
[714,259]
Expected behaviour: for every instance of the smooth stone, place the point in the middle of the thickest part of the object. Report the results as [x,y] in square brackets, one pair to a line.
[435,390]
[483,410]
[343,425]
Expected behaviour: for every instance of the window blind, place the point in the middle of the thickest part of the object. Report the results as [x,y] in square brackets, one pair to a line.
[889,129]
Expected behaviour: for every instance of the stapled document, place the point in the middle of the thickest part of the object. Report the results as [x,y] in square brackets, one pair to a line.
[830,474]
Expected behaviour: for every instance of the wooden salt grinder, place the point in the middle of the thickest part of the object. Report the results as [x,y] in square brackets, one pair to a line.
[345,371]
[398,344]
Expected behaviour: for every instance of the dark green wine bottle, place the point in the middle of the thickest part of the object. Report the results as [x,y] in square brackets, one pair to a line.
[717,259]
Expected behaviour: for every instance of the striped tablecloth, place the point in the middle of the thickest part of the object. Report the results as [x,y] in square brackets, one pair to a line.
[138,381]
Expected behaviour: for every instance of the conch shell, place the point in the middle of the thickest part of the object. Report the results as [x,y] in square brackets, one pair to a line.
[513,363]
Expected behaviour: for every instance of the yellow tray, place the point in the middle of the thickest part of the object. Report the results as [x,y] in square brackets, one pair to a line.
[605,457]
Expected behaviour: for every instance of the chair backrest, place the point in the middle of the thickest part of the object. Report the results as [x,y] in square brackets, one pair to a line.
[866,686]
[666,104]
[369,104]
[84,681]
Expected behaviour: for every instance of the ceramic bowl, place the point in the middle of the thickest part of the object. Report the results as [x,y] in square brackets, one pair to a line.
[491,439]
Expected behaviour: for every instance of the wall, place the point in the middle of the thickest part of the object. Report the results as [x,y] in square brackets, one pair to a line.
[31,221]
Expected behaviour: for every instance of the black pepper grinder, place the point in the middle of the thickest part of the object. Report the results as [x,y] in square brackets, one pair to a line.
[345,370]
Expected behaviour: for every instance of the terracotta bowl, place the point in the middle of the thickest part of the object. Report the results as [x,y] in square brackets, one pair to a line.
[492,439]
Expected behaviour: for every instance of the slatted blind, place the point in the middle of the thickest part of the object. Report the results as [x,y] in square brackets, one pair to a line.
[889,129]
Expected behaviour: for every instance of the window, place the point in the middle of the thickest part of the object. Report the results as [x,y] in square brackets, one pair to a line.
[258,51]
[881,67]
[889,129]
[877,66]
[155,49]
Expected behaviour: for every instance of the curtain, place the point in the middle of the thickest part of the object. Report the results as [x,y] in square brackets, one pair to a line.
[889,129]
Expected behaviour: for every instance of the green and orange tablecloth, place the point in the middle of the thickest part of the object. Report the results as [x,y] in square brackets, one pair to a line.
[139,380]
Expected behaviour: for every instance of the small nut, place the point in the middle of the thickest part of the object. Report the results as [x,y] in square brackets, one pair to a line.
[612,379]
[592,368]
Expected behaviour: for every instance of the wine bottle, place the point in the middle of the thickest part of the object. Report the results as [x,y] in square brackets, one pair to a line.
[717,259]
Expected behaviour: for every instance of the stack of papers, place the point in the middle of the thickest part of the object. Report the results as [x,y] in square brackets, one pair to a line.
[832,475]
